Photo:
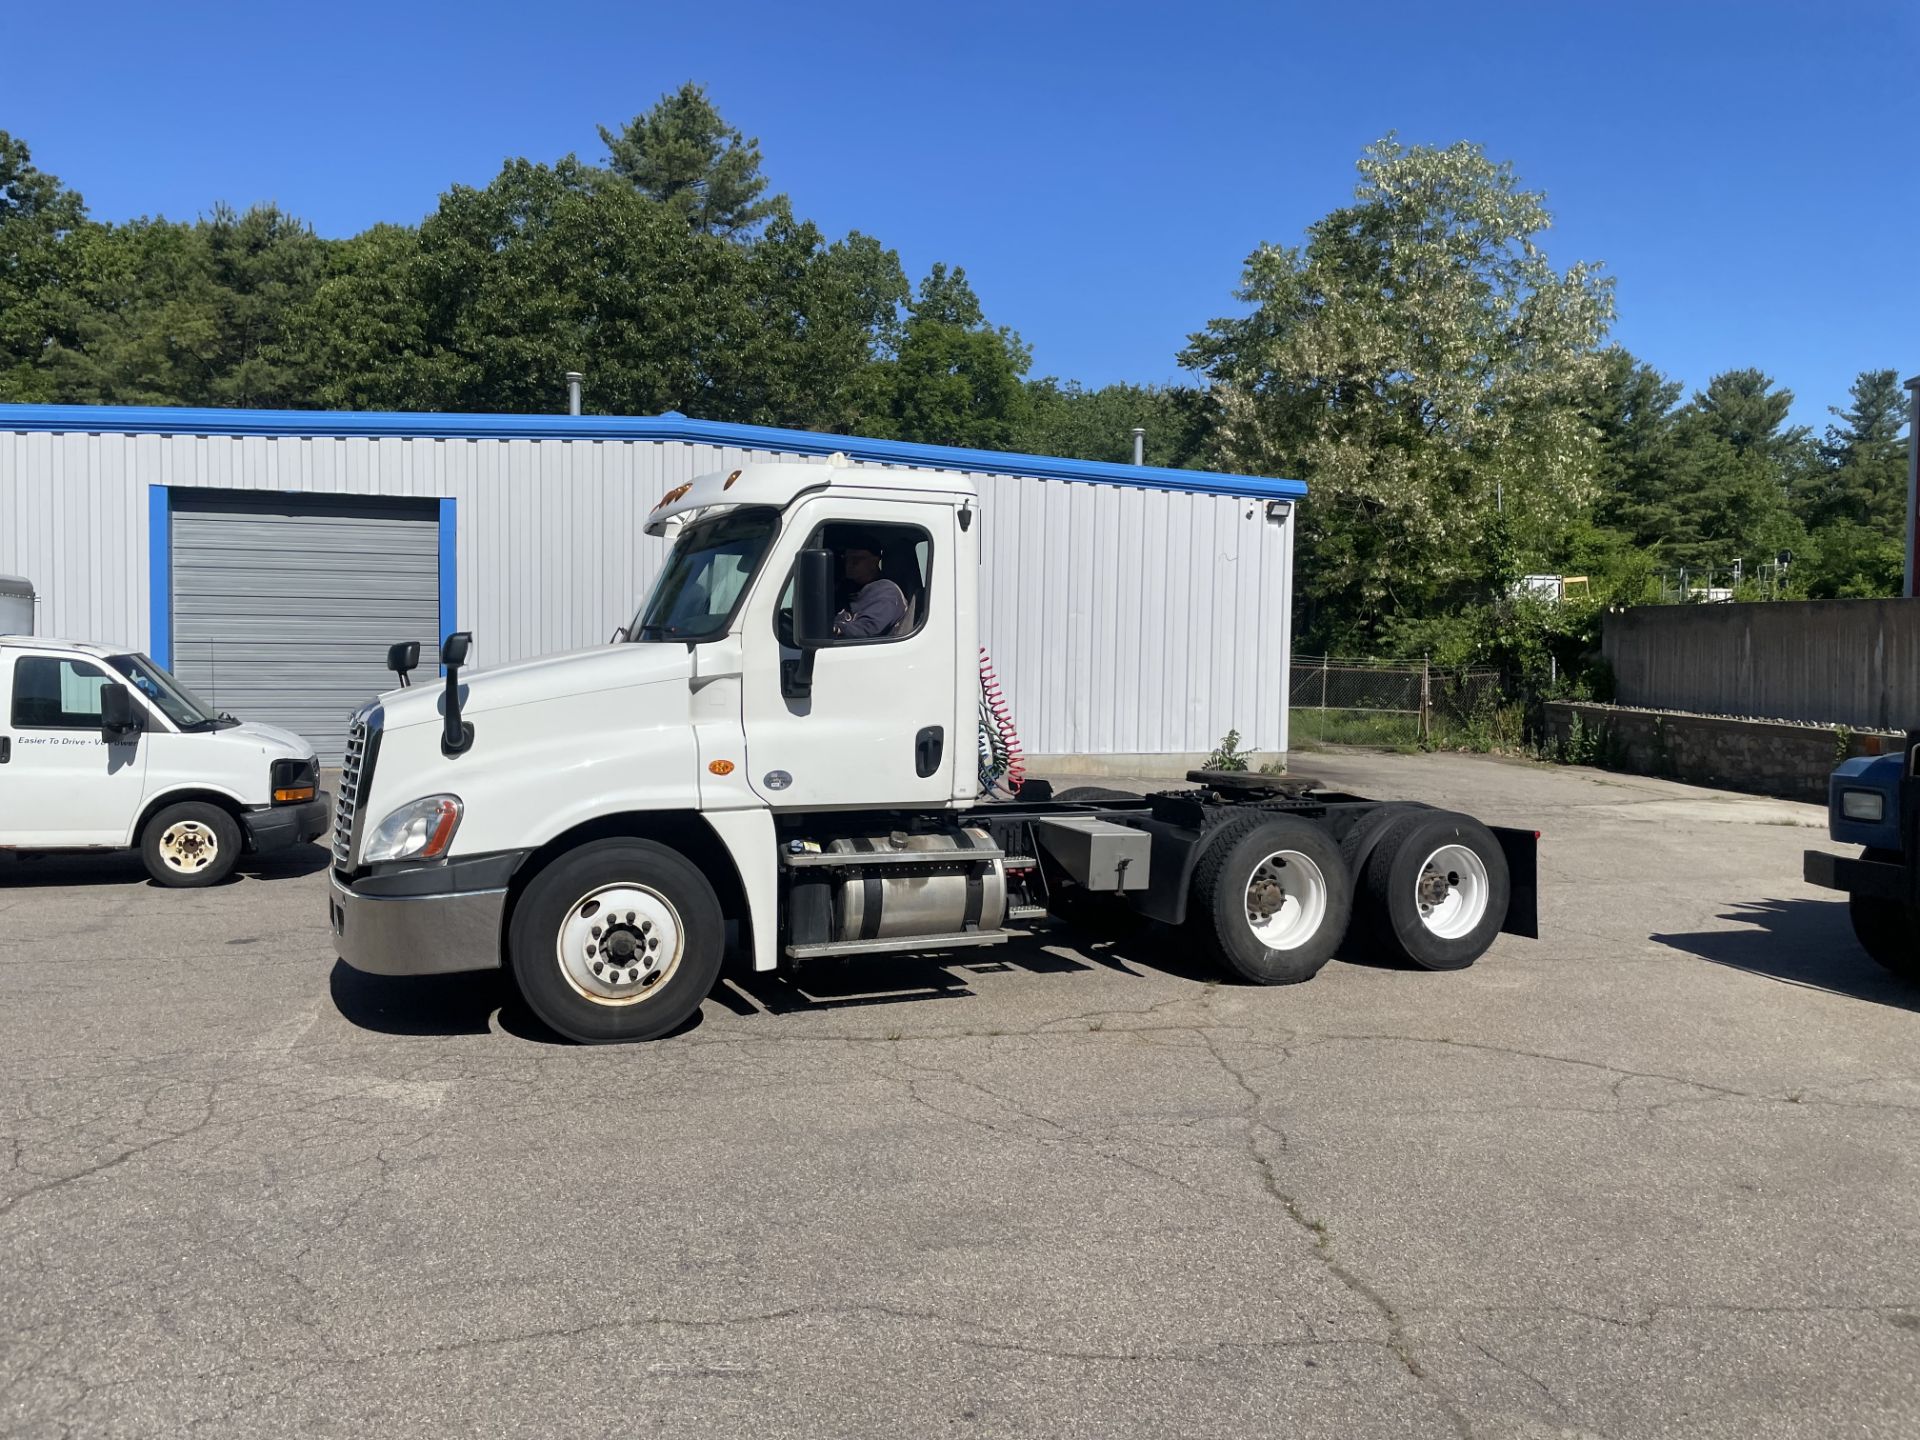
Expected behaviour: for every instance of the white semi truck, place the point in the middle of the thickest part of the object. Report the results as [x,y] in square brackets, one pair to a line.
[741,758]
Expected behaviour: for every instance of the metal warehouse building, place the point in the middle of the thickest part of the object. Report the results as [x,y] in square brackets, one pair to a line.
[270,557]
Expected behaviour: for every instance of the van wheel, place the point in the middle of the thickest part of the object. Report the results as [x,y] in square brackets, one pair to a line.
[190,845]
[1436,890]
[618,940]
[1271,899]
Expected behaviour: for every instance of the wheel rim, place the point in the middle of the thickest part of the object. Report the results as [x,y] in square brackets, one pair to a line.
[1452,892]
[619,944]
[1286,900]
[187,847]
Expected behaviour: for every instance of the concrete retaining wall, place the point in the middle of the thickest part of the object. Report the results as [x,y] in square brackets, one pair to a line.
[1763,757]
[1830,662]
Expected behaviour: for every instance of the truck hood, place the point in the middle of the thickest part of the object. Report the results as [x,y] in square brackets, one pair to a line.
[550,677]
[271,739]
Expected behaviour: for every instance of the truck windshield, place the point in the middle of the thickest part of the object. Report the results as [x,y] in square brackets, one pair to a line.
[712,563]
[179,704]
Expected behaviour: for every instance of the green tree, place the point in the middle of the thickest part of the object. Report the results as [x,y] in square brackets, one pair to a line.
[1422,365]
[683,154]
[1865,478]
[954,379]
[1630,406]
[1068,419]
[1854,503]
[200,314]
[43,228]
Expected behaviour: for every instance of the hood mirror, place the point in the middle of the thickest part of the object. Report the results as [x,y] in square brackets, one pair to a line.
[403,657]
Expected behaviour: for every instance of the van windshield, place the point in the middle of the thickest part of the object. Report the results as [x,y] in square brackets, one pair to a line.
[180,705]
[707,575]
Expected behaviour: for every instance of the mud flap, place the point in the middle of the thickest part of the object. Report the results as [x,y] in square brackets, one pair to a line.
[1522,849]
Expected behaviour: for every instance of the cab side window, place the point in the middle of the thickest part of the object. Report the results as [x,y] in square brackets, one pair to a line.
[882,572]
[54,694]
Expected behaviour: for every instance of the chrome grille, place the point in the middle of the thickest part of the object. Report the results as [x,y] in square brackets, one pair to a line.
[346,804]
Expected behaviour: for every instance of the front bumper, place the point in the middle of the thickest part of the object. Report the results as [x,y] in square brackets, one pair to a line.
[1871,878]
[284,825]
[429,920]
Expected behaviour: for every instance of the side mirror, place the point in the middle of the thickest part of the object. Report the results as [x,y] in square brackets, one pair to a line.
[456,735]
[813,599]
[403,657]
[120,718]
[812,620]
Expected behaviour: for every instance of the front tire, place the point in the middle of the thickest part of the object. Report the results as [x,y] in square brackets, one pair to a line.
[619,940]
[1887,930]
[1436,890]
[1271,899]
[190,845]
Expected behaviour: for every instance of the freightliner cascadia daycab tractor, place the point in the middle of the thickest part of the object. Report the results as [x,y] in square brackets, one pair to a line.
[742,756]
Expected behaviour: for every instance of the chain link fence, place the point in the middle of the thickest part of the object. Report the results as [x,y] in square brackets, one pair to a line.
[1343,700]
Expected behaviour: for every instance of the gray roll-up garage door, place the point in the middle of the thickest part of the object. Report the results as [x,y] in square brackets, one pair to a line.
[284,605]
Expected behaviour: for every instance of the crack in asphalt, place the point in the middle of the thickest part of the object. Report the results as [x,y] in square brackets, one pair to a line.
[1321,1239]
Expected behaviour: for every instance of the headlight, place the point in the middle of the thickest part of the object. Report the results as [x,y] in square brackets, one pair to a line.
[419,830]
[1866,805]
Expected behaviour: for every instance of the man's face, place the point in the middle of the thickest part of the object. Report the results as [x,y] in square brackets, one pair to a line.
[862,566]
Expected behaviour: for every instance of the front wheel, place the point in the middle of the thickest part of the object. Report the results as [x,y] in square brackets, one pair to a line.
[1271,899]
[1887,930]
[619,940]
[189,845]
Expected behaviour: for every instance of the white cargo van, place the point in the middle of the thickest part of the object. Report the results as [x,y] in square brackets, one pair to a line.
[104,750]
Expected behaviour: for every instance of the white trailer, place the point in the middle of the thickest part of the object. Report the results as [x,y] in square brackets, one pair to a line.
[595,820]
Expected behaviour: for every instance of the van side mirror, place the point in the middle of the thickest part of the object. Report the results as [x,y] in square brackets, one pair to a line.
[120,718]
[813,599]
[453,650]
[403,657]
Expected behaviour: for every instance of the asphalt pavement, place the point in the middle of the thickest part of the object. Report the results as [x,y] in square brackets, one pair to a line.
[1657,1173]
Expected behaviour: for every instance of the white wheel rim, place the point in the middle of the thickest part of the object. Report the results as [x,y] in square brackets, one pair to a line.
[187,847]
[1286,900]
[1452,892]
[619,944]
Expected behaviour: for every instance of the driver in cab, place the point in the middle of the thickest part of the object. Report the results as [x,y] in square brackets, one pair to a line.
[872,604]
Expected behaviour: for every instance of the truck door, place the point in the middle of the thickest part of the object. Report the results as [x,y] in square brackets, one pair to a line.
[877,728]
[60,783]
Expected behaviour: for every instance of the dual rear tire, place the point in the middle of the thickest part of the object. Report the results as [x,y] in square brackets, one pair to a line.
[1274,897]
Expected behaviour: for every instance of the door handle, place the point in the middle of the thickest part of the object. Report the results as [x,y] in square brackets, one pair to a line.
[927,748]
[6,749]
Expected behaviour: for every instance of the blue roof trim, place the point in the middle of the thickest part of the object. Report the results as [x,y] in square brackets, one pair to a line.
[440,425]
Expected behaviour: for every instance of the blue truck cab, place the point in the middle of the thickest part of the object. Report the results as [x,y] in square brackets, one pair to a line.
[1874,802]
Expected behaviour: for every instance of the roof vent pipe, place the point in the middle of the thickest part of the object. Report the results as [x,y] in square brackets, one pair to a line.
[1139,445]
[574,377]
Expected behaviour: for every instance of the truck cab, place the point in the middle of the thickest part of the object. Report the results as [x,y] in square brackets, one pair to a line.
[1871,803]
[102,749]
[769,752]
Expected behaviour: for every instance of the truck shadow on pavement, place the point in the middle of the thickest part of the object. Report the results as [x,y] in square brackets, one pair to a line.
[1798,942]
[474,1002]
[479,1002]
[944,975]
[124,867]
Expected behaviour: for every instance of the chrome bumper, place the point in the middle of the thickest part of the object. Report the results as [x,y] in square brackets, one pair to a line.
[416,934]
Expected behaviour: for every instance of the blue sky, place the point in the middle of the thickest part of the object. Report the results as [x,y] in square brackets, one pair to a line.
[1100,170]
